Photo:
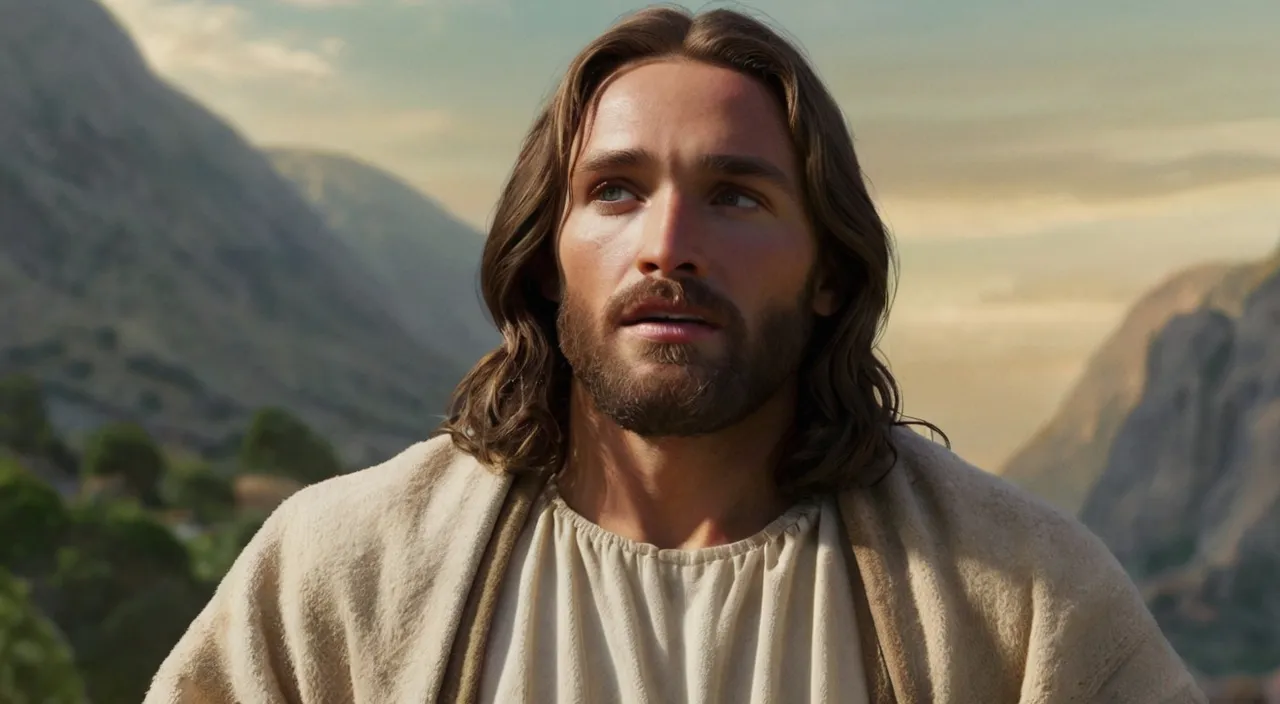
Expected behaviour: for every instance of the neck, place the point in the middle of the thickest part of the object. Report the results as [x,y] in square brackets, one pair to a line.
[681,493]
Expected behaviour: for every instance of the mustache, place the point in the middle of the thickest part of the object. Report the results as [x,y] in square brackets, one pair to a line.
[689,292]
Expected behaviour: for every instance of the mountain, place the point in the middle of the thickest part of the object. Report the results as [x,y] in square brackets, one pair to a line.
[155,266]
[1189,497]
[1063,460]
[427,258]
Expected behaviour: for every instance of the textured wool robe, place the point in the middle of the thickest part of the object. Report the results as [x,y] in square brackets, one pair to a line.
[378,587]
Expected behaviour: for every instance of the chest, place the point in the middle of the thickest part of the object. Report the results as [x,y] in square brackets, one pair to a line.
[585,616]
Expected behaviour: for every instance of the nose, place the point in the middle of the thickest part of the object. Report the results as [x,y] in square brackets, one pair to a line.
[672,237]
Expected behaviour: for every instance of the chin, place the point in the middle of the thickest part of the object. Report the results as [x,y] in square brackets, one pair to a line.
[690,356]
[656,379]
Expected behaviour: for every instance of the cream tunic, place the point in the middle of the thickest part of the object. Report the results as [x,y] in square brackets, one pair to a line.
[362,589]
[585,615]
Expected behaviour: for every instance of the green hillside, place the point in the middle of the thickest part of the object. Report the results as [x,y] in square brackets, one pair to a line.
[427,259]
[155,267]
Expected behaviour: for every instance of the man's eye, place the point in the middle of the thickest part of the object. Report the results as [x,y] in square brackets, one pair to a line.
[736,199]
[613,194]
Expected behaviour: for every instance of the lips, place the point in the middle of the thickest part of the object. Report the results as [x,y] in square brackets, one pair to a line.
[668,313]
[665,322]
[669,320]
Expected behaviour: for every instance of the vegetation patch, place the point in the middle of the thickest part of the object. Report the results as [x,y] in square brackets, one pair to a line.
[96,586]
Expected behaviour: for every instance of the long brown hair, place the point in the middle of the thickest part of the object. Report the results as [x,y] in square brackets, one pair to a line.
[510,411]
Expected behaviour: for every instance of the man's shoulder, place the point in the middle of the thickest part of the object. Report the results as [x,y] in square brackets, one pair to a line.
[942,541]
[417,494]
[979,514]
[365,573]
[933,468]
[397,479]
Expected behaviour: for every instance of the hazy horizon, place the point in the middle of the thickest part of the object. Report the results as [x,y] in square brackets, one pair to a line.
[1040,165]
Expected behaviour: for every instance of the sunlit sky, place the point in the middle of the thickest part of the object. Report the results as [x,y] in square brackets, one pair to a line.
[1146,131]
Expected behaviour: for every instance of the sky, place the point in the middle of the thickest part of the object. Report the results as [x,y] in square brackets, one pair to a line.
[1040,162]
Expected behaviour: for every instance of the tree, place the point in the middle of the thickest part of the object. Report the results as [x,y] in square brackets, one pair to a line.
[128,539]
[32,516]
[24,422]
[280,443]
[195,487]
[134,637]
[126,452]
[36,664]
[124,594]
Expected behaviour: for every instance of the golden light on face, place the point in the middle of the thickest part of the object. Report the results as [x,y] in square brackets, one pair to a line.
[686,256]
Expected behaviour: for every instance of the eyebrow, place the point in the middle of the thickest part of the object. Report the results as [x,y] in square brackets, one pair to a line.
[725,164]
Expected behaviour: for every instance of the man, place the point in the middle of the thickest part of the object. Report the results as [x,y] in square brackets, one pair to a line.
[684,475]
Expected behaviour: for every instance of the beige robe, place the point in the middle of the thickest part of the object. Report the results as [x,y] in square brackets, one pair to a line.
[377,587]
[585,615]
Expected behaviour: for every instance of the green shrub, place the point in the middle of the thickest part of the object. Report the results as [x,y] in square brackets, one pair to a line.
[279,443]
[24,422]
[32,516]
[125,451]
[131,641]
[127,537]
[36,664]
[195,487]
[124,592]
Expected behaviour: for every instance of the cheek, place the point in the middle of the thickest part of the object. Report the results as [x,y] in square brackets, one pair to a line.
[592,260]
[769,269]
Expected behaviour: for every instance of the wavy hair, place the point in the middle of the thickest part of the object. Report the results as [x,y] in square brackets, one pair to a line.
[511,410]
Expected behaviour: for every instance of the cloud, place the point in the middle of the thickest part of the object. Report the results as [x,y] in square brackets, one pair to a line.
[203,39]
[1071,119]
[1246,207]
[1090,177]
[379,132]
[1090,152]
[453,4]
[321,3]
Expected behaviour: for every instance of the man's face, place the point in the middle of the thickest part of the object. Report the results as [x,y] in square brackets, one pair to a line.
[686,256]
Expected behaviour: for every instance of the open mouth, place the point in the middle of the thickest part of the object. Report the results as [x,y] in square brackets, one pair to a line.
[672,319]
[663,321]
[657,323]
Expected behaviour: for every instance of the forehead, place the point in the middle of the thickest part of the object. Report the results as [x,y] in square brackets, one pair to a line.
[680,107]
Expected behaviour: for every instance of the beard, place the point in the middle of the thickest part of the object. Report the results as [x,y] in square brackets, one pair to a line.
[693,392]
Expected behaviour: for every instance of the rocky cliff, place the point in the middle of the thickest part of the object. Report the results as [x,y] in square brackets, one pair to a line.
[1189,497]
[1064,459]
